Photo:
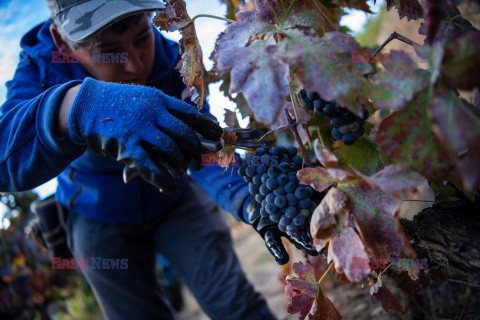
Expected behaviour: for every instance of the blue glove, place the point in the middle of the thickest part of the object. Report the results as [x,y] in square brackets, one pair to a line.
[150,132]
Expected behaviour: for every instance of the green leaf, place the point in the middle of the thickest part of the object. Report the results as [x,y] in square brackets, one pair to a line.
[443,194]
[363,155]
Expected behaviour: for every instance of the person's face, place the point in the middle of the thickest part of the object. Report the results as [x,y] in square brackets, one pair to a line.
[135,48]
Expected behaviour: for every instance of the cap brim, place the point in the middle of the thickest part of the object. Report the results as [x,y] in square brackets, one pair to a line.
[87,19]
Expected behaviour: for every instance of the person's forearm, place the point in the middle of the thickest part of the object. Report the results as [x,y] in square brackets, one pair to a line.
[61,127]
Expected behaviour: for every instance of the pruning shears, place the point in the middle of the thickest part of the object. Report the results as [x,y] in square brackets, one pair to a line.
[245,138]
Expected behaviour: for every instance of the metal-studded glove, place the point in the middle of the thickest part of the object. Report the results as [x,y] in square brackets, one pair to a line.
[153,134]
[270,233]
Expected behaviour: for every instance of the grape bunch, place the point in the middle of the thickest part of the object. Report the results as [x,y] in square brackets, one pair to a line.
[272,177]
[347,126]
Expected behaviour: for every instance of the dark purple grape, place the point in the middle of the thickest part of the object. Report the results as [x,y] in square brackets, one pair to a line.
[309,191]
[261,151]
[275,217]
[282,150]
[259,197]
[261,169]
[290,187]
[292,151]
[299,220]
[298,161]
[291,212]
[284,220]
[264,190]
[336,134]
[257,179]
[270,197]
[300,193]
[250,171]
[291,228]
[337,122]
[265,160]
[292,176]
[349,139]
[265,177]
[304,203]
[271,208]
[282,179]
[279,191]
[280,201]
[285,167]
[253,188]
[242,170]
[313,96]
[292,200]
[272,183]
[359,133]
[274,171]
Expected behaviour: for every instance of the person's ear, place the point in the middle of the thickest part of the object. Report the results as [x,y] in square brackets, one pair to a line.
[58,40]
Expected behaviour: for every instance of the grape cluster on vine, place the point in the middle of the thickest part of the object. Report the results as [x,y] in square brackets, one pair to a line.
[347,126]
[272,177]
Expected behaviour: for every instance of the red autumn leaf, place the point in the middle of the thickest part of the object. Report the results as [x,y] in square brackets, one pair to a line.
[230,118]
[406,138]
[328,214]
[397,85]
[376,216]
[406,8]
[346,249]
[410,286]
[459,128]
[326,158]
[396,181]
[323,308]
[389,302]
[175,17]
[301,289]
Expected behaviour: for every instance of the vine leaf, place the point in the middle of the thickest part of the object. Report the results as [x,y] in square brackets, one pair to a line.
[363,155]
[459,128]
[323,308]
[382,294]
[326,158]
[345,249]
[356,4]
[230,119]
[406,8]
[175,17]
[405,136]
[306,297]
[410,286]
[325,65]
[262,80]
[255,55]
[397,86]
[373,202]
[301,289]
[460,58]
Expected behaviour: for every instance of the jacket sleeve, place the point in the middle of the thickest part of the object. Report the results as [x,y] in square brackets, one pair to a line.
[224,186]
[30,151]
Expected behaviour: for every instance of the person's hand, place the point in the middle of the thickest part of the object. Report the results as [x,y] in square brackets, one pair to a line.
[270,233]
[151,133]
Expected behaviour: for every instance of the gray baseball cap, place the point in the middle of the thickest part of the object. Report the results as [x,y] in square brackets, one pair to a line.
[80,20]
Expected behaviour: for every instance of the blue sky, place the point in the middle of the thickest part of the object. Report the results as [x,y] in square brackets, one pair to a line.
[19,16]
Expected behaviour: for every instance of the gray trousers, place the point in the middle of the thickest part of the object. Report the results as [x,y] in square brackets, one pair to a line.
[195,240]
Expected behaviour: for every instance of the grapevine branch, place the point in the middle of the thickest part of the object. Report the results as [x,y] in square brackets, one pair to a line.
[392,36]
[207,16]
[294,130]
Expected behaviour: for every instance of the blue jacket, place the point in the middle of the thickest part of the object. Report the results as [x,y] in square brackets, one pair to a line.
[32,154]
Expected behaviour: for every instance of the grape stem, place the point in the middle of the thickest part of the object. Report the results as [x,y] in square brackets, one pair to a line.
[293,128]
[394,35]
[325,273]
[207,16]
